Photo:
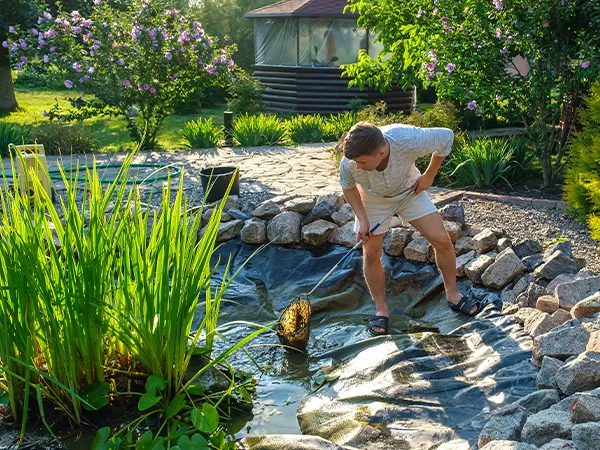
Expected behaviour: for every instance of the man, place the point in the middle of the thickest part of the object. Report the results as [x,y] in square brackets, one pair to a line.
[377,173]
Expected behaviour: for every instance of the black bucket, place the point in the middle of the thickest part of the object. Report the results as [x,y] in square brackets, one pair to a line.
[217,179]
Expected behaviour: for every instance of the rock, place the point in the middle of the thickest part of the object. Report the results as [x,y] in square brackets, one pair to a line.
[464,245]
[522,284]
[471,231]
[586,436]
[233,201]
[561,343]
[302,205]
[558,444]
[539,324]
[508,445]
[530,297]
[343,235]
[267,210]
[285,228]
[207,214]
[564,246]
[506,267]
[503,244]
[581,374]
[571,293]
[527,247]
[545,426]
[454,230]
[395,241]
[317,232]
[524,314]
[254,231]
[561,316]
[282,199]
[532,262]
[229,230]
[593,344]
[453,212]
[396,222]
[237,214]
[418,250]
[485,241]
[557,264]
[546,377]
[509,309]
[343,215]
[505,424]
[475,269]
[564,278]
[539,400]
[462,261]
[587,307]
[585,408]
[547,303]
[324,207]
[508,297]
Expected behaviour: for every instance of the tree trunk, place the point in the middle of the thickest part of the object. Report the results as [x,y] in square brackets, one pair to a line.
[8,102]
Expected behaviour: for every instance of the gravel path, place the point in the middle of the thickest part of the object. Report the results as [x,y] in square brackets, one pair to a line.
[526,222]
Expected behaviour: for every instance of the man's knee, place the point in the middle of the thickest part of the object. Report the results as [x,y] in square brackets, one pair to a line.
[441,242]
[372,252]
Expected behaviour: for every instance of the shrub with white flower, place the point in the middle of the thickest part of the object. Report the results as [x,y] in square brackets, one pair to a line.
[510,60]
[148,57]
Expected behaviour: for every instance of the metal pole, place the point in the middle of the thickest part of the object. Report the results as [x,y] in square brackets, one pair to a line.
[228,125]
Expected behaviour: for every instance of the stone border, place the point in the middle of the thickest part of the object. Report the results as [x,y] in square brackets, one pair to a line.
[447,197]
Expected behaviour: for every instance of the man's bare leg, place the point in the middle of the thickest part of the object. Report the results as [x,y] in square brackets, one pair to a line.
[432,229]
[375,276]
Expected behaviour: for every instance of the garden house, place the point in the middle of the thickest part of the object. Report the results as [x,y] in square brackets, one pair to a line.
[299,46]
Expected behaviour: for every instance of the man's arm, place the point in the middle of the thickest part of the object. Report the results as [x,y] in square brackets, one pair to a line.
[353,197]
[425,181]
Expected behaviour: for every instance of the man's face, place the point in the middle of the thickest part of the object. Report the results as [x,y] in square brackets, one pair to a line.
[370,162]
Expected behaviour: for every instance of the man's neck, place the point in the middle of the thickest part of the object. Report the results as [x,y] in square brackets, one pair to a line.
[384,162]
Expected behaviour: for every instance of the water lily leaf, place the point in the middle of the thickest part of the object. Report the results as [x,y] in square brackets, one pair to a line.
[4,400]
[218,440]
[195,389]
[155,382]
[160,447]
[145,442]
[100,440]
[206,420]
[148,400]
[197,442]
[176,405]
[95,394]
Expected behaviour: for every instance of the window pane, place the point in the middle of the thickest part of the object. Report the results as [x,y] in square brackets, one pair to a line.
[330,42]
[275,41]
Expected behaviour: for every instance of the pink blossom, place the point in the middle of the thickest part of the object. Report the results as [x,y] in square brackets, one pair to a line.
[19,66]
[110,37]
[47,15]
[52,49]
[68,84]
[435,12]
[97,2]
[82,80]
[497,97]
[432,53]
[209,41]
[23,59]
[5,44]
[196,25]
[585,64]
[153,90]
[174,13]
[146,87]
[11,29]
[41,42]
[34,32]
[23,45]
[420,13]
[76,30]
[504,51]
[231,63]
[498,4]
[169,56]
[76,67]
[498,33]
[126,83]
[46,59]
[450,67]
[86,23]
[91,69]
[445,20]
[472,105]
[210,69]
[40,20]
[121,62]
[546,24]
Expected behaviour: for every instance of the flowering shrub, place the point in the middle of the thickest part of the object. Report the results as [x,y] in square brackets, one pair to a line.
[502,59]
[136,63]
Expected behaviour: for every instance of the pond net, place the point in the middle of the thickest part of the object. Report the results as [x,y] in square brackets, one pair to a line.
[294,325]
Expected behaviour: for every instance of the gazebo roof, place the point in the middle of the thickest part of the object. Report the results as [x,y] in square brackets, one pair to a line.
[303,8]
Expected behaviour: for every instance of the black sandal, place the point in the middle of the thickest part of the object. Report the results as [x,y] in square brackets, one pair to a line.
[465,305]
[378,321]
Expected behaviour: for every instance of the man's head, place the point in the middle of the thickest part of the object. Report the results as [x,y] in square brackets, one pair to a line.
[365,145]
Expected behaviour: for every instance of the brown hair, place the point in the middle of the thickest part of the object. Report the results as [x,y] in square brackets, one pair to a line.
[363,138]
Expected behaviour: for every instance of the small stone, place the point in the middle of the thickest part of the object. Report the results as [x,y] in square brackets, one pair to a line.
[522,284]
[475,269]
[507,445]
[229,230]
[561,343]
[285,228]
[395,241]
[343,235]
[464,245]
[561,316]
[532,262]
[485,241]
[585,408]
[581,374]
[587,307]
[237,214]
[571,293]
[527,247]
[546,377]
[593,344]
[565,246]
[503,244]
[564,278]
[506,267]
[343,215]
[207,214]
[547,303]
[418,250]
[557,264]
[454,230]
[453,212]
[509,309]
[508,297]
[545,426]
[505,424]
[267,210]
[324,207]
[462,261]
[396,222]
[558,444]
[586,436]
[471,231]
[254,231]
[539,400]
[302,205]
[233,201]
[523,314]
[317,232]
[539,324]
[530,297]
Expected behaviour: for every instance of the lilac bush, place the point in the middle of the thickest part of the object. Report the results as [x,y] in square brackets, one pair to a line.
[136,63]
[513,60]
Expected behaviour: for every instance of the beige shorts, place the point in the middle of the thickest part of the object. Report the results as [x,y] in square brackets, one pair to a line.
[413,207]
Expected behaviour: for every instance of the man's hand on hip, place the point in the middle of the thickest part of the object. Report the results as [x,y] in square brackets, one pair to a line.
[423,183]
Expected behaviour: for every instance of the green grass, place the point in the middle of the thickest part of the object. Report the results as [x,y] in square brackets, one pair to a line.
[110,132]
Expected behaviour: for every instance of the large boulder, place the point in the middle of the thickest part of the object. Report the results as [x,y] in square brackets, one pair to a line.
[525,314]
[571,293]
[207,214]
[585,408]
[485,241]
[254,231]
[546,377]
[505,268]
[475,269]
[286,442]
[527,247]
[464,245]
[454,230]
[543,427]
[285,228]
[558,263]
[580,374]
[267,210]
[561,316]
[395,241]
[233,201]
[593,344]
[418,250]
[453,212]
[561,343]
[505,424]
[343,215]
[317,232]
[586,436]
[343,235]
[302,205]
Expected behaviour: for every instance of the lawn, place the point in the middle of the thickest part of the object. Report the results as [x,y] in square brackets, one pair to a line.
[110,132]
